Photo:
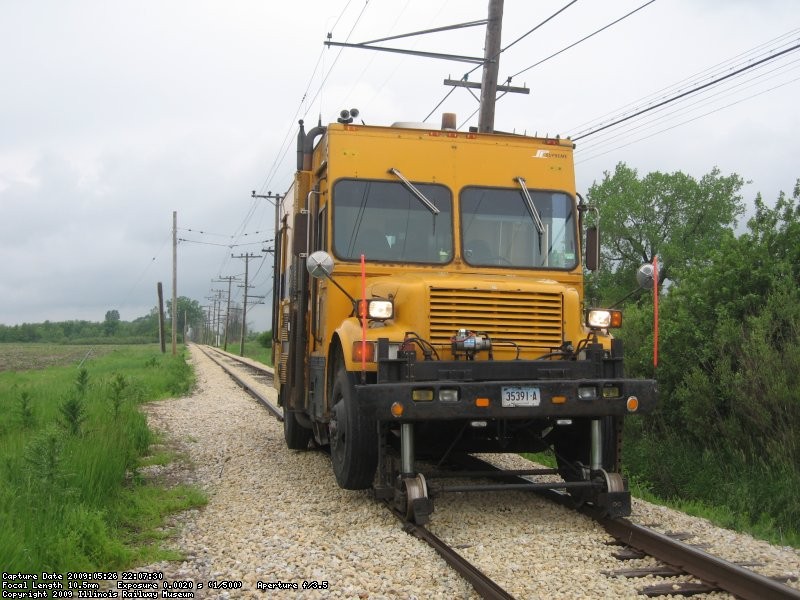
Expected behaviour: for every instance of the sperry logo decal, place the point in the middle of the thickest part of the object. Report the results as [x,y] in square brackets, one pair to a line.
[548,154]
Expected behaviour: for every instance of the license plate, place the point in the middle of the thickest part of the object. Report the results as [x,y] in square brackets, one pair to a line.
[520,396]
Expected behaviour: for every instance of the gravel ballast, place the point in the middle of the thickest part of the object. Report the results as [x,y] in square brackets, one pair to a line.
[276,519]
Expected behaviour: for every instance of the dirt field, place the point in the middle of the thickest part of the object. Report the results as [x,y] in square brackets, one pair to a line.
[24,357]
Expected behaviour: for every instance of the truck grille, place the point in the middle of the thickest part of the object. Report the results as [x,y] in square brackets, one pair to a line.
[531,319]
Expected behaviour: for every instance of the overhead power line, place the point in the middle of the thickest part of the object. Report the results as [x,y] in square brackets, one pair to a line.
[221,245]
[693,90]
[685,107]
[685,110]
[682,84]
[705,114]
[553,16]
[583,39]
[225,235]
[287,139]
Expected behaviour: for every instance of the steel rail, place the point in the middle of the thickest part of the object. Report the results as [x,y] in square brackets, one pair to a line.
[247,362]
[737,580]
[729,577]
[482,583]
[276,412]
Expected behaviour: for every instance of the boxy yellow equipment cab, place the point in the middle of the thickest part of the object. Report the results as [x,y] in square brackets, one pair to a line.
[429,303]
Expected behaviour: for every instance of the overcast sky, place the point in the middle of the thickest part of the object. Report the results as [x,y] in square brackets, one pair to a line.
[114,114]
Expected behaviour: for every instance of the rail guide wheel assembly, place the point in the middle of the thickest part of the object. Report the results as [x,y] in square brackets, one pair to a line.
[413,499]
[615,500]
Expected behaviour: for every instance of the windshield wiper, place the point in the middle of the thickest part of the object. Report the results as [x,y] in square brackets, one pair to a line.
[537,218]
[411,188]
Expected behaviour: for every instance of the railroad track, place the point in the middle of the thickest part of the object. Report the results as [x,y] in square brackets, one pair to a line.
[679,559]
[232,365]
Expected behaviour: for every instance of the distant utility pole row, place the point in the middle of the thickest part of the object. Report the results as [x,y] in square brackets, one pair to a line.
[246,286]
[230,279]
[214,315]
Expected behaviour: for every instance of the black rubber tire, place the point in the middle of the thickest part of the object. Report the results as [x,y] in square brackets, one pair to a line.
[297,437]
[353,438]
[574,443]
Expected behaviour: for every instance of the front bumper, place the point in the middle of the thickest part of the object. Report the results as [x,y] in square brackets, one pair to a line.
[479,400]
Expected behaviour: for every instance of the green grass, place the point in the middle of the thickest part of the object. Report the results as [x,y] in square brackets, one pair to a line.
[72,441]
[729,488]
[252,349]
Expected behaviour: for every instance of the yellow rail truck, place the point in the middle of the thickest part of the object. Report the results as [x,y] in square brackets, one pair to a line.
[429,304]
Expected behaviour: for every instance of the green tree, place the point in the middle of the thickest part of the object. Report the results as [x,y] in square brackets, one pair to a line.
[111,324]
[726,431]
[265,339]
[146,325]
[734,285]
[672,215]
[189,314]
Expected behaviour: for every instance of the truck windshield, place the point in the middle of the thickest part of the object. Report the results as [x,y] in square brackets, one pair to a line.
[497,229]
[385,221]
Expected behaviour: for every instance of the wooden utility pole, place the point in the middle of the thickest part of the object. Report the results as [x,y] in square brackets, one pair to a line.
[161,338]
[491,67]
[174,282]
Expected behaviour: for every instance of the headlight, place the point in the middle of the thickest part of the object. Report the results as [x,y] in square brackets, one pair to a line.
[380,310]
[603,319]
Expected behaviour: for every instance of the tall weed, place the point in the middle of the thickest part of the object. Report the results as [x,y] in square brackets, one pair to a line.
[27,418]
[73,414]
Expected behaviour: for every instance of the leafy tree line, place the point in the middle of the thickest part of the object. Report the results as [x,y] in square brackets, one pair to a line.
[727,430]
[112,330]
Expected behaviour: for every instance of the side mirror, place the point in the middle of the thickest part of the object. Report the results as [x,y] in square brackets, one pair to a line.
[592,248]
[320,265]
